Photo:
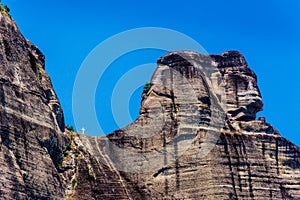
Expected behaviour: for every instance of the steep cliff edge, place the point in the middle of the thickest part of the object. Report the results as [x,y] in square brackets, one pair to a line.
[197,136]
[31,121]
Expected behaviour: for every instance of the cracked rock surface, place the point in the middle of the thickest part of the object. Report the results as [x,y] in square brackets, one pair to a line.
[31,121]
[197,136]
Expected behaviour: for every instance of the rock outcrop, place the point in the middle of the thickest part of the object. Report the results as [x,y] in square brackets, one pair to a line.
[197,136]
[31,121]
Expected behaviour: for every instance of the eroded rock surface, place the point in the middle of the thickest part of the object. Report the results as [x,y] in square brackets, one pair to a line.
[197,136]
[31,121]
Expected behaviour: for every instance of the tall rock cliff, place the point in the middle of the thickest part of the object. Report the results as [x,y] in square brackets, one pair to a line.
[197,136]
[31,121]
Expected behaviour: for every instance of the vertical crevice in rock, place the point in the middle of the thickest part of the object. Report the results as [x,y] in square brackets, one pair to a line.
[284,193]
[33,64]
[174,129]
[276,157]
[248,170]
[236,90]
[250,181]
[239,163]
[263,149]
[4,130]
[228,155]
[271,194]
[177,167]
[267,171]
[7,50]
[173,108]
[166,184]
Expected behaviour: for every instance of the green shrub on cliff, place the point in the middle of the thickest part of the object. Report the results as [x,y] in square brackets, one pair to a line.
[146,88]
[70,128]
[69,147]
[4,9]
[74,181]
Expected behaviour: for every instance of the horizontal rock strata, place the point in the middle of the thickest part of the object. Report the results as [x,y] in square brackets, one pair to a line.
[197,136]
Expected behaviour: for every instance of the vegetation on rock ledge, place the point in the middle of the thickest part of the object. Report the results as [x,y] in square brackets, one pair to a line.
[4,9]
[70,128]
[146,88]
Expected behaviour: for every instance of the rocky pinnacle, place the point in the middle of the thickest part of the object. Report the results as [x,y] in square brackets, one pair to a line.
[197,136]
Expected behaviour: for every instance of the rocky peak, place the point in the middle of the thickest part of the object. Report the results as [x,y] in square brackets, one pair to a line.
[197,136]
[198,124]
[243,98]
[32,123]
[228,76]
[23,65]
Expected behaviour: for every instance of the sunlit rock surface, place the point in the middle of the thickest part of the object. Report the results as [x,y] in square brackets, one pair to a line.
[31,121]
[197,136]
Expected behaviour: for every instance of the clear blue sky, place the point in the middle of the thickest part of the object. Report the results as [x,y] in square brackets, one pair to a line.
[266,32]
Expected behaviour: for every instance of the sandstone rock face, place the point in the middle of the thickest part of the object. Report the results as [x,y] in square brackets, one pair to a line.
[31,121]
[197,136]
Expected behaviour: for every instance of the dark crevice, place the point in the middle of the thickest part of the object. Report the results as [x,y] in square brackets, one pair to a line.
[8,50]
[236,91]
[249,171]
[174,129]
[239,163]
[263,149]
[177,172]
[33,64]
[276,157]
[284,192]
[226,148]
[172,95]
[267,169]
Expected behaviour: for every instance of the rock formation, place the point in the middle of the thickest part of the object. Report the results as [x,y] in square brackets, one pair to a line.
[197,136]
[31,121]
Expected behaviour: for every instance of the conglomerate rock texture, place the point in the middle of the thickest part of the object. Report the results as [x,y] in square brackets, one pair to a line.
[31,121]
[197,136]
